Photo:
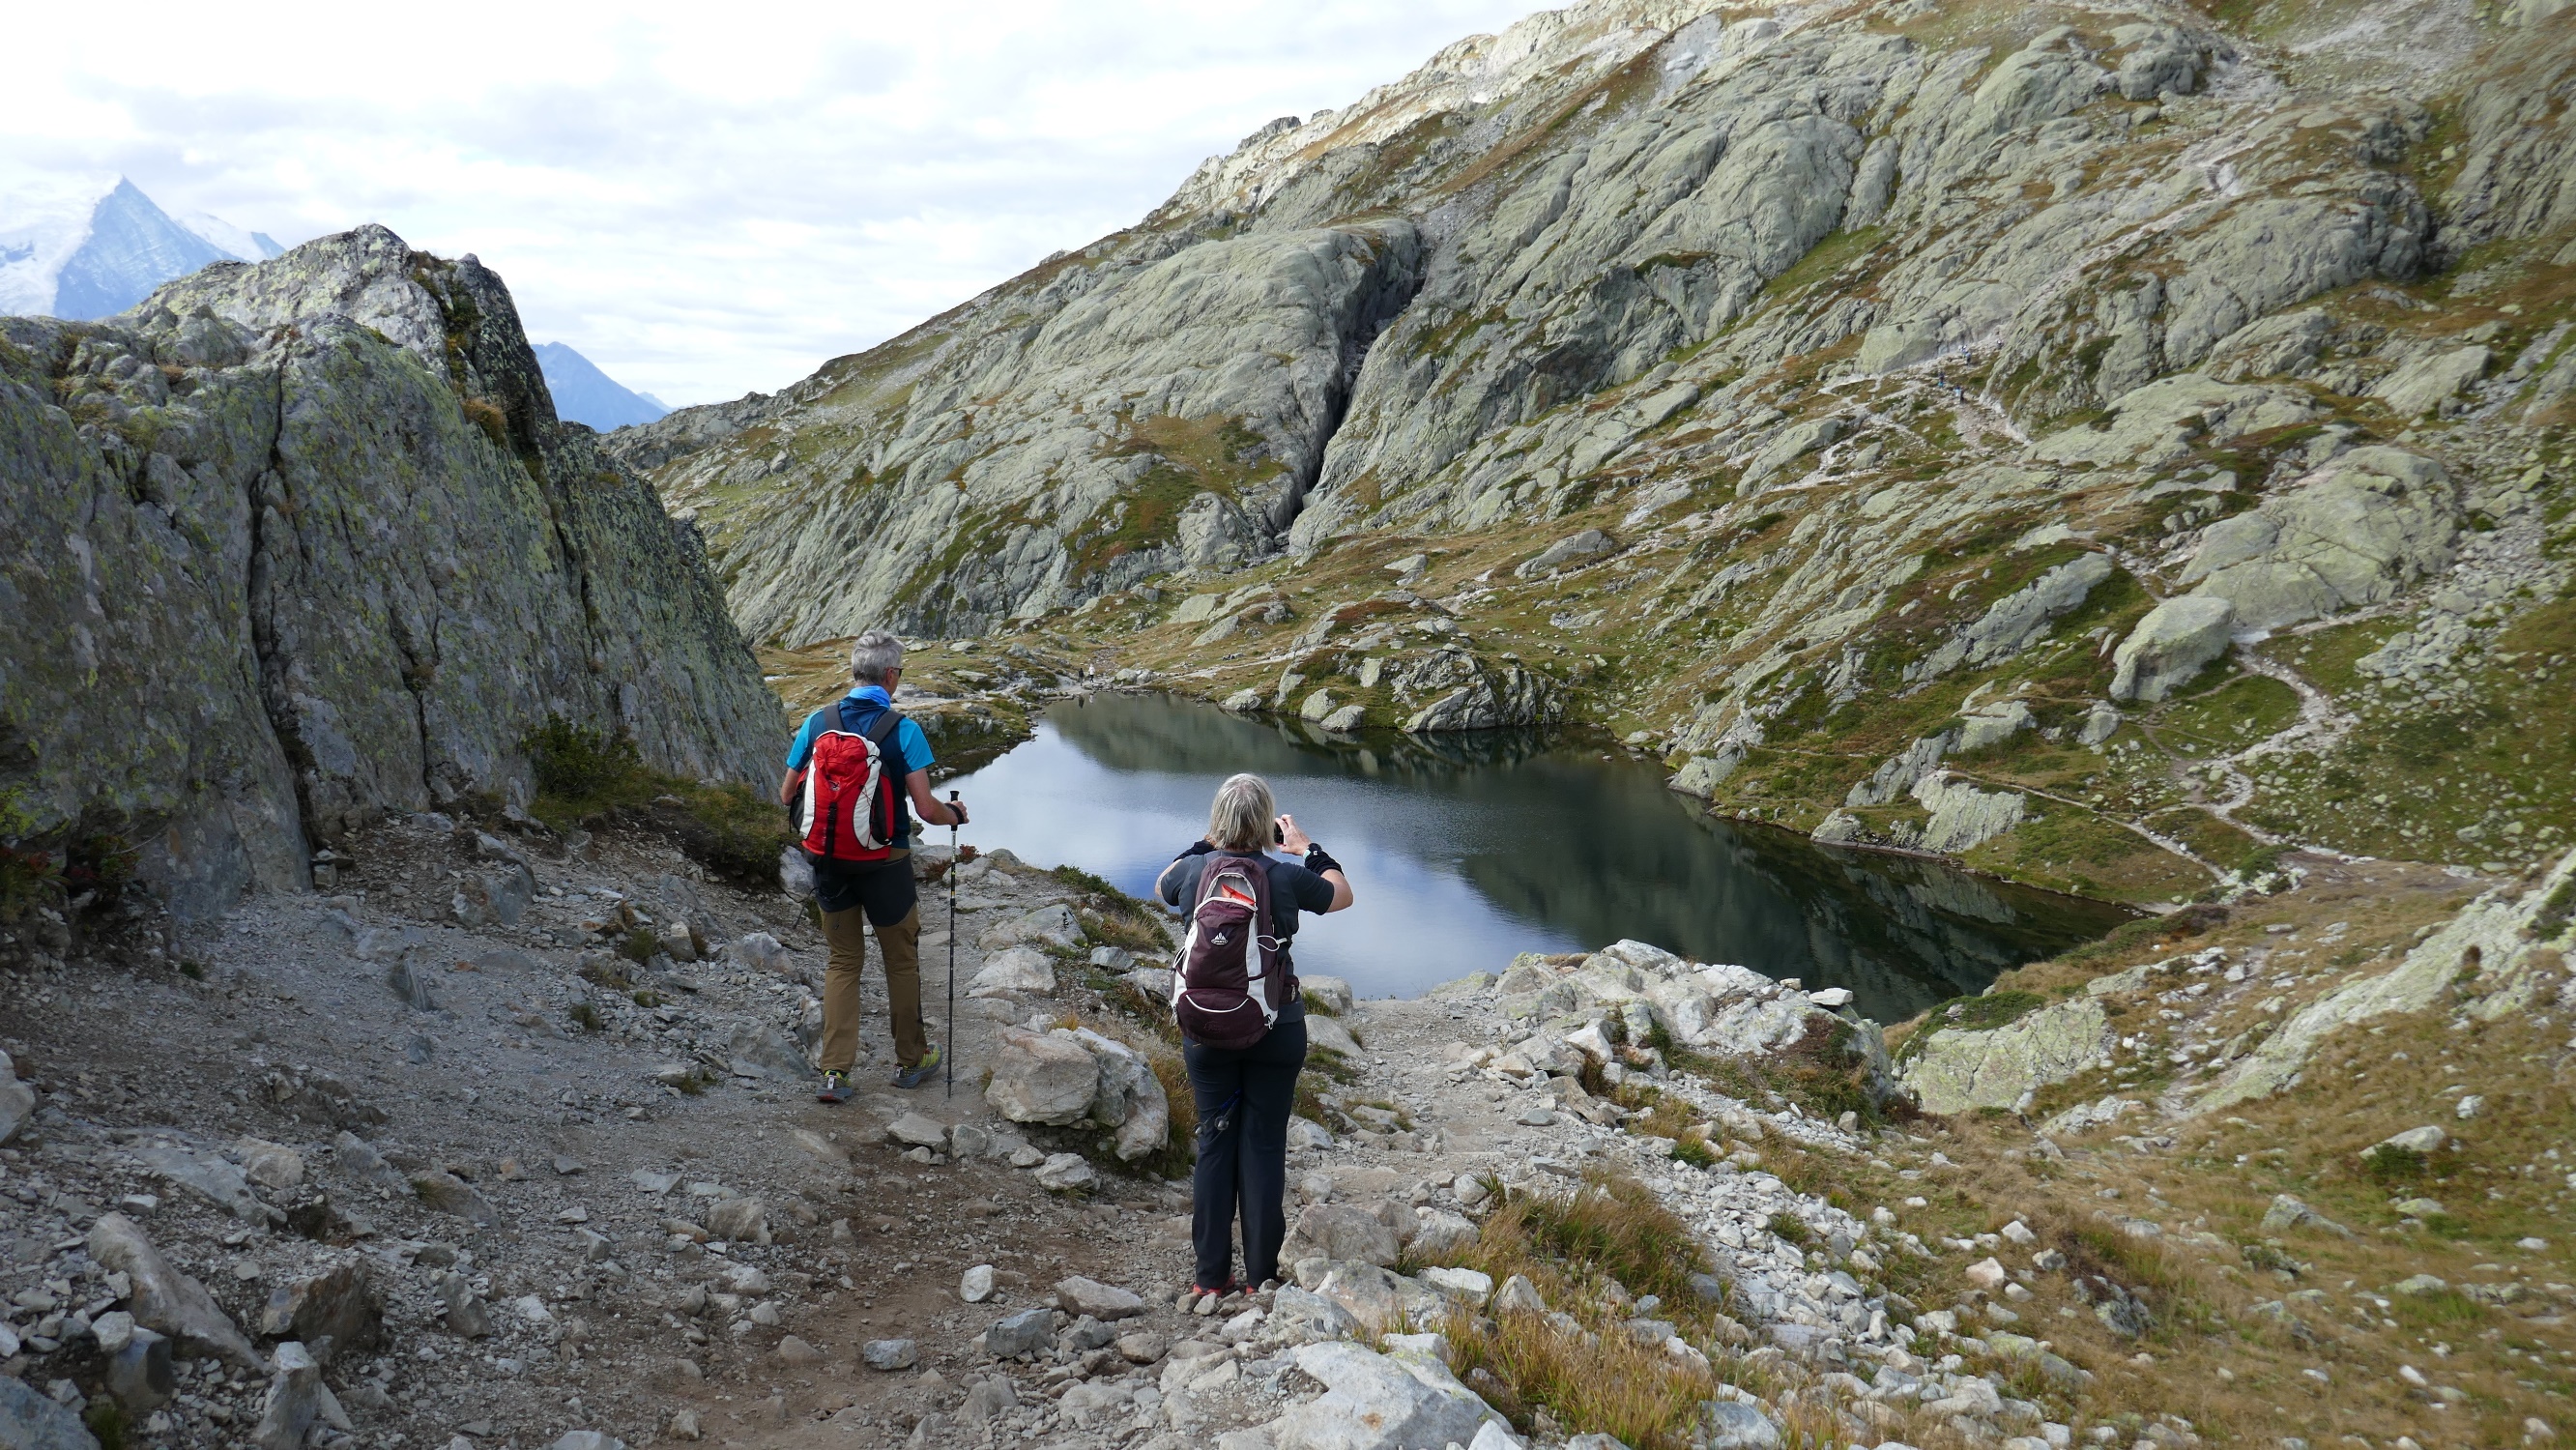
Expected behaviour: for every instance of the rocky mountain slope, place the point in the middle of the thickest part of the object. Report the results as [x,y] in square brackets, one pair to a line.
[2296,1177]
[292,545]
[2101,444]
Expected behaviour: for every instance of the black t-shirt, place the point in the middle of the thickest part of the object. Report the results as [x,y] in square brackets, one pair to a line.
[1292,888]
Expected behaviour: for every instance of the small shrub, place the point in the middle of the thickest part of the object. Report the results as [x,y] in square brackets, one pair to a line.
[588,777]
[1694,1150]
[27,879]
[2390,1164]
[1788,1228]
[639,946]
[587,1018]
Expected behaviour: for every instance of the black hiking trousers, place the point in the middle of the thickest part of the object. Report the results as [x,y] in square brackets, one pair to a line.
[1244,1167]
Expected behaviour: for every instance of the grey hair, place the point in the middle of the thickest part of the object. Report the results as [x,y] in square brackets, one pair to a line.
[1240,817]
[874,655]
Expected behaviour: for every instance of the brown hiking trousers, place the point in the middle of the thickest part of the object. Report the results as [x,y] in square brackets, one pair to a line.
[900,944]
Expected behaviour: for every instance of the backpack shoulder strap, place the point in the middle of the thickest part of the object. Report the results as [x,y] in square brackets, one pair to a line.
[884,729]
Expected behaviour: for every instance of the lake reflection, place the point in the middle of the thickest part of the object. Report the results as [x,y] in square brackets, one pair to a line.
[1468,849]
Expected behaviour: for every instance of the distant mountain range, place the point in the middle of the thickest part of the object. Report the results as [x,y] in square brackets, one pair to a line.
[584,394]
[93,246]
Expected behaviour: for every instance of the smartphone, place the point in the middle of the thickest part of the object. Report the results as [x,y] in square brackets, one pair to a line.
[1278,834]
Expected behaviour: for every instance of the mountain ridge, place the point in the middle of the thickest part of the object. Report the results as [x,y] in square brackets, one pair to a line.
[94,247]
[583,394]
[1873,410]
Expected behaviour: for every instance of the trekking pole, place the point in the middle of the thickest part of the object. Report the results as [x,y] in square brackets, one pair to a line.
[949,1058]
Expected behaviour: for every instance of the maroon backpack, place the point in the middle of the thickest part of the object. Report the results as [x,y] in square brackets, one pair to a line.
[1232,977]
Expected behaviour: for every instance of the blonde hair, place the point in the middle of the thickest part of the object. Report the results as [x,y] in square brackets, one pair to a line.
[1240,817]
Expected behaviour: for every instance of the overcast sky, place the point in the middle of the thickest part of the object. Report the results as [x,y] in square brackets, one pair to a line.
[704,199]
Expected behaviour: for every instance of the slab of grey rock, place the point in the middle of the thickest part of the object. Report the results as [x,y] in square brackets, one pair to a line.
[1341,1231]
[166,1300]
[2170,645]
[918,1130]
[891,1354]
[1379,1402]
[294,1400]
[337,1312]
[976,1284]
[30,1421]
[1045,1077]
[1015,970]
[17,1100]
[1080,1296]
[1955,1070]
[1029,1331]
[1066,1173]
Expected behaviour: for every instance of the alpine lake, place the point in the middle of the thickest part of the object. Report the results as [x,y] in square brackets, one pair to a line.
[1466,850]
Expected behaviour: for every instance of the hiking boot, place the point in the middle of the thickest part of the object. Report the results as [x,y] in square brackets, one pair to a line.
[919,1073]
[835,1088]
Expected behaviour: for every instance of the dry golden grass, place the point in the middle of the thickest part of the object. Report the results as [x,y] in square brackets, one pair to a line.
[2173,1208]
[1573,1247]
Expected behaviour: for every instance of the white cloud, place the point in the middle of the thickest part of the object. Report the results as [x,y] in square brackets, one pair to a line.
[704,200]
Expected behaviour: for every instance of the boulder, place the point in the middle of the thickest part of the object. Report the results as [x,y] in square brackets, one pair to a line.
[2170,645]
[17,1100]
[29,1421]
[359,1159]
[1016,970]
[1030,1331]
[2425,1139]
[1053,925]
[2425,384]
[1379,1298]
[1953,1071]
[1079,1296]
[2288,1212]
[165,1300]
[1374,1401]
[2349,535]
[1329,1035]
[447,1193]
[141,1372]
[1127,1096]
[1333,992]
[1042,1077]
[270,1165]
[1573,549]
[1735,1425]
[1339,1231]
[742,1220]
[294,1400]
[1066,1173]
[209,1177]
[1303,1316]
[1964,817]
[976,1284]
[918,1130]
[891,1354]
[337,1312]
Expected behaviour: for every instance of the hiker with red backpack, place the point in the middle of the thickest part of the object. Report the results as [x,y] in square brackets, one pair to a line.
[849,772]
[1243,1021]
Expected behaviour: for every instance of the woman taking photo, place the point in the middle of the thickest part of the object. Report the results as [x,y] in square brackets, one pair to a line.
[1243,1063]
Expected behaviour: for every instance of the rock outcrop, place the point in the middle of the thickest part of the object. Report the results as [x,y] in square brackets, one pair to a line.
[292,545]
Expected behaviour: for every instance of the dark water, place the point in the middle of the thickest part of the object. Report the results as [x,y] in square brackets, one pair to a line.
[1467,850]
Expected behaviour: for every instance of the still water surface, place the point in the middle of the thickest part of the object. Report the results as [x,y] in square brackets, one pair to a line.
[1467,850]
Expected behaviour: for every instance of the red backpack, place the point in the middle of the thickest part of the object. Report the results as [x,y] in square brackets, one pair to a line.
[1232,977]
[852,810]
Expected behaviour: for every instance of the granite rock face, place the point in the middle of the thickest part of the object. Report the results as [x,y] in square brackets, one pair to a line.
[1739,383]
[294,544]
